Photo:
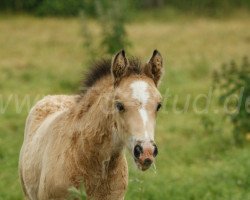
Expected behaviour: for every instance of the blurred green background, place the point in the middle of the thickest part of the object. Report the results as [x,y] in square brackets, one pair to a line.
[46,44]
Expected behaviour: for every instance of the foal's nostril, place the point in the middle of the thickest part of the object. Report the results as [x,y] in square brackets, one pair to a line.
[155,151]
[137,151]
[147,162]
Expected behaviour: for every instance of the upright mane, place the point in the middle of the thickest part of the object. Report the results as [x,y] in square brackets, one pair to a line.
[102,68]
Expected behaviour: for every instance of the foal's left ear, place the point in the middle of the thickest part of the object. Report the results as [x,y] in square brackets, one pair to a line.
[119,66]
[154,68]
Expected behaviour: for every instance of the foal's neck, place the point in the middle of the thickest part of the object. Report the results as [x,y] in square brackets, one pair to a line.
[99,142]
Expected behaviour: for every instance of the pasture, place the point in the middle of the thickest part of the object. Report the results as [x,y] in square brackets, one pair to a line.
[41,56]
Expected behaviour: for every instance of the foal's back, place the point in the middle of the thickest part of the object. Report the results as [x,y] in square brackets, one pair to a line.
[40,118]
[44,108]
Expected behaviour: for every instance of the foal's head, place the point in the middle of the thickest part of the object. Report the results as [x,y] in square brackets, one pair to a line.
[137,101]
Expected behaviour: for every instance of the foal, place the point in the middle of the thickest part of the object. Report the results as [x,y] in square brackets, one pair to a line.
[74,139]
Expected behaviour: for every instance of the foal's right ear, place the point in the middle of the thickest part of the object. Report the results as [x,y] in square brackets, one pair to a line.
[119,66]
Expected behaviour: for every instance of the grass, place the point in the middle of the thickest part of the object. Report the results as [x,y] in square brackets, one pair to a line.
[45,56]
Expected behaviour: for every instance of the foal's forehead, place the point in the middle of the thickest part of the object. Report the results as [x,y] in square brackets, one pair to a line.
[140,91]
[143,91]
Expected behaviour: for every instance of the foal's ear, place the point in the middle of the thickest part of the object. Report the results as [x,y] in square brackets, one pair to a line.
[154,68]
[119,66]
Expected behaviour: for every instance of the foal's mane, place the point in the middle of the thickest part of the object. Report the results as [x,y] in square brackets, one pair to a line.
[102,68]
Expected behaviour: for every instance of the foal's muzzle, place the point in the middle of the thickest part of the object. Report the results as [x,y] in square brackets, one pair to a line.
[144,155]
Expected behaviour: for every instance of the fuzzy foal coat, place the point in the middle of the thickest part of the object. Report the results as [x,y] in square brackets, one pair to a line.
[73,139]
[67,142]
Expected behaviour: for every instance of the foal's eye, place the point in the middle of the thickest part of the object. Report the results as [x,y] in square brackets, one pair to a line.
[119,106]
[158,107]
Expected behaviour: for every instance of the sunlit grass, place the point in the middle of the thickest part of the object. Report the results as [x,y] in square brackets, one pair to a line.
[46,56]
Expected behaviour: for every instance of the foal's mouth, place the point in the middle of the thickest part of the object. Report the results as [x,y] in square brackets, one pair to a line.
[143,164]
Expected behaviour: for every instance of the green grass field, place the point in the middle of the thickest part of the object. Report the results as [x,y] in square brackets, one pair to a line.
[40,56]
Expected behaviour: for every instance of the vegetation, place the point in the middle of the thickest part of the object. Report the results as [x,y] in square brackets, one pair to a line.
[77,193]
[111,18]
[73,7]
[234,82]
[197,157]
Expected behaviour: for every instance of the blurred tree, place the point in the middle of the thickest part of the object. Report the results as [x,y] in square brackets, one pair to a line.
[235,80]
[60,8]
[73,7]
[112,17]
[150,3]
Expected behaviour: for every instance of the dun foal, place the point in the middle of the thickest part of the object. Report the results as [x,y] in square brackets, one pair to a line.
[74,139]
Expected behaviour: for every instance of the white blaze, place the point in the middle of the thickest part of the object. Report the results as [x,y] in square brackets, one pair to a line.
[140,93]
[144,115]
